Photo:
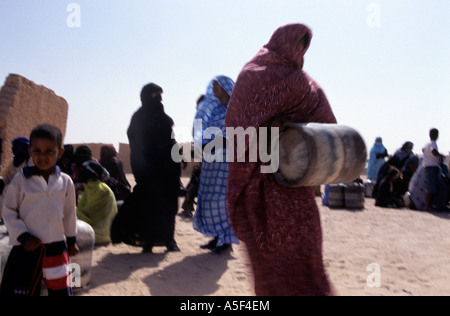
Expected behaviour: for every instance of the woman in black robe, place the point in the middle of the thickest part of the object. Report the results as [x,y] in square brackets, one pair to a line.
[147,217]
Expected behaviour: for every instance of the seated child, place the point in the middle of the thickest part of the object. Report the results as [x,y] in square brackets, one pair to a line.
[97,205]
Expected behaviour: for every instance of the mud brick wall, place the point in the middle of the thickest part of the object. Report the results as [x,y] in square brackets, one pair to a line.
[124,155]
[95,147]
[24,105]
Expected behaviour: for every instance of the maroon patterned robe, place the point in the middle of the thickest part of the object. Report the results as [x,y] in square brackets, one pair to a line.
[280,225]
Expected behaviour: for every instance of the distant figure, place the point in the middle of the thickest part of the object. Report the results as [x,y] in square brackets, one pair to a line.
[82,154]
[1,150]
[376,159]
[117,179]
[391,163]
[66,161]
[194,182]
[39,214]
[147,217]
[388,195]
[418,189]
[211,216]
[97,205]
[404,153]
[408,170]
[407,163]
[279,225]
[191,192]
[21,156]
[432,161]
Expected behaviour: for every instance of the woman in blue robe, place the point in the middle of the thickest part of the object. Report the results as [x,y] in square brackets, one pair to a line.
[376,159]
[211,216]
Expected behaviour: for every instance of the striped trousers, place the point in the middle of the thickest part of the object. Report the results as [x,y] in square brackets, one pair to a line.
[25,270]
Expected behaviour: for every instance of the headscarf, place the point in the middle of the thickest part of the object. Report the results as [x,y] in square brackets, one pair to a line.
[152,103]
[82,153]
[281,43]
[106,153]
[404,153]
[274,88]
[210,107]
[226,83]
[93,170]
[378,147]
[147,93]
[67,159]
[20,151]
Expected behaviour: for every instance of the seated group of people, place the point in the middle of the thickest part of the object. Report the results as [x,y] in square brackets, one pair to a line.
[401,183]
[99,185]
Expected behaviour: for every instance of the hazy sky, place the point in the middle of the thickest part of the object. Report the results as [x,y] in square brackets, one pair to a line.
[384,65]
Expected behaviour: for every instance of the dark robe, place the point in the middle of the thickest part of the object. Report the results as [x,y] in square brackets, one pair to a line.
[148,214]
[387,194]
[117,179]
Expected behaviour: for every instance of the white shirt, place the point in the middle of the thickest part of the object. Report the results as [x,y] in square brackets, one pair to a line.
[430,160]
[46,211]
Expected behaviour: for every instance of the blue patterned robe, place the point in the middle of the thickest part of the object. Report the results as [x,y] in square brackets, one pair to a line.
[211,216]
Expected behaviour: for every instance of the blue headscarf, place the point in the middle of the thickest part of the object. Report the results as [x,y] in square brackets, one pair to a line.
[210,111]
[378,147]
[20,150]
[226,83]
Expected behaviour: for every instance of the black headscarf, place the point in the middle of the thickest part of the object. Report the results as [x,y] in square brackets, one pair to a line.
[92,170]
[82,153]
[150,102]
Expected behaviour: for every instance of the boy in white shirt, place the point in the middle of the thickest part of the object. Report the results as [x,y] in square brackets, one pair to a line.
[432,160]
[40,214]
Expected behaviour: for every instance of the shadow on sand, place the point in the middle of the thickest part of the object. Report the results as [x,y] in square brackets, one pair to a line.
[193,276]
[114,268]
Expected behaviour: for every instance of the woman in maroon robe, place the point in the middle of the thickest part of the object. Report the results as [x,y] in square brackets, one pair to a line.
[280,225]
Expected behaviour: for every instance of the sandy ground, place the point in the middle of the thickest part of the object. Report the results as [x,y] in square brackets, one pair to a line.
[407,252]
